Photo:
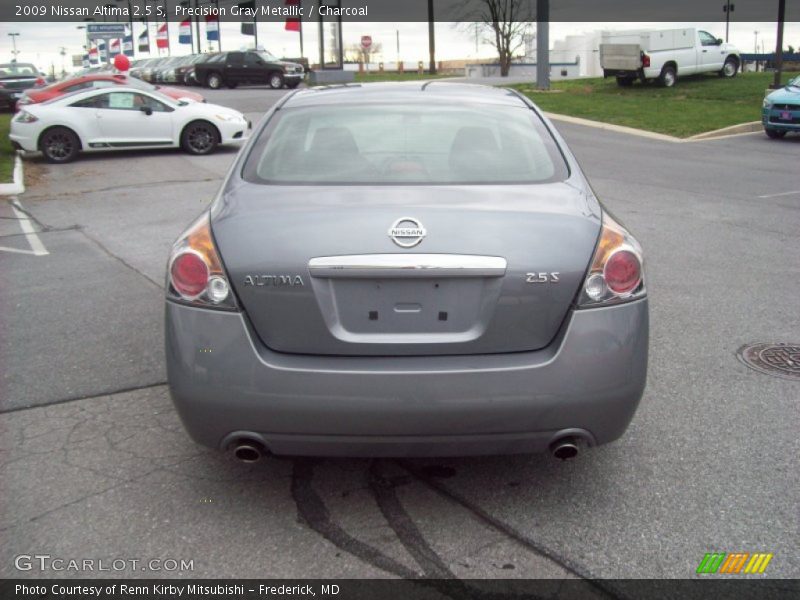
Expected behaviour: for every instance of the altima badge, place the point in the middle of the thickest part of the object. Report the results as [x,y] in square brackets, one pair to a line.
[273,280]
[407,232]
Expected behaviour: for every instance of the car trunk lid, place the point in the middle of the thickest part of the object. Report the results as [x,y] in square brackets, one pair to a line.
[317,270]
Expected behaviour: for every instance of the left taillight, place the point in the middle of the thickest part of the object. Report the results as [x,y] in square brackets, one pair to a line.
[40,81]
[617,271]
[195,274]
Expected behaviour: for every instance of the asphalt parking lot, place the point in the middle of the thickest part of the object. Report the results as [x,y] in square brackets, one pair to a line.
[96,464]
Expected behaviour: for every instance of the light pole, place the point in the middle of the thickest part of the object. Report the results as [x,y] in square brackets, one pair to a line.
[543,44]
[14,43]
[728,9]
[431,40]
[776,83]
[63,52]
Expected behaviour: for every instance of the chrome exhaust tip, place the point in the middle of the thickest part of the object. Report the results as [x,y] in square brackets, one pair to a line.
[565,448]
[248,452]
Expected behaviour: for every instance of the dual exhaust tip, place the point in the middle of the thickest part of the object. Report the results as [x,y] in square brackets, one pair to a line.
[248,451]
[564,448]
[252,451]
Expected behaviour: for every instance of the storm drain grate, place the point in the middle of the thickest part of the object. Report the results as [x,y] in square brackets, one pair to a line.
[782,360]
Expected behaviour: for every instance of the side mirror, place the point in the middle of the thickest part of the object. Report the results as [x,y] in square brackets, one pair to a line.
[719,42]
[146,110]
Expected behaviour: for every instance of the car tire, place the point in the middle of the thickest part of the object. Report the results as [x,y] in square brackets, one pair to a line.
[59,145]
[232,85]
[276,80]
[775,134]
[668,77]
[214,81]
[625,81]
[292,85]
[199,138]
[730,68]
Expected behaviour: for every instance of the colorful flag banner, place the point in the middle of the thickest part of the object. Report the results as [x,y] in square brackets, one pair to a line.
[185,32]
[292,23]
[144,41]
[248,27]
[212,28]
[127,42]
[162,37]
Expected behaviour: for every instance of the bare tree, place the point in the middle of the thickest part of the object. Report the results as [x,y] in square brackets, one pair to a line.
[506,22]
[357,53]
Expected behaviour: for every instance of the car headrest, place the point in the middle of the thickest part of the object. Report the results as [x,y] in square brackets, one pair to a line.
[474,150]
[334,140]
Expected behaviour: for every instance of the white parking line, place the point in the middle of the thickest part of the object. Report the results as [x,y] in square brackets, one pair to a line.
[781,194]
[37,247]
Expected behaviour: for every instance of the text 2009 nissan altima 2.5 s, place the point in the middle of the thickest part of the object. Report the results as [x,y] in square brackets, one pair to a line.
[406,270]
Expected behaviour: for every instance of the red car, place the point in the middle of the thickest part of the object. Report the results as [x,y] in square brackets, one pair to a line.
[96,80]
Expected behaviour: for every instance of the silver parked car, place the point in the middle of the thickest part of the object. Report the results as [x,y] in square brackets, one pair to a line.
[412,269]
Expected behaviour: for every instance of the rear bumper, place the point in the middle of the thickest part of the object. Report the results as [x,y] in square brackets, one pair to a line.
[23,142]
[226,384]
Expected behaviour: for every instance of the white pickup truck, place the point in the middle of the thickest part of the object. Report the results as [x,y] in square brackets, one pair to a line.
[664,55]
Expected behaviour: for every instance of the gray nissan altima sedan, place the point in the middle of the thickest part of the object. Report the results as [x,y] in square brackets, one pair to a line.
[414,269]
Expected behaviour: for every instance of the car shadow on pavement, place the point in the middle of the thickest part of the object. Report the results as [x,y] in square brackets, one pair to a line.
[227,151]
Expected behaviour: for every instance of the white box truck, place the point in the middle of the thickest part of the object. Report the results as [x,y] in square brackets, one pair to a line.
[664,55]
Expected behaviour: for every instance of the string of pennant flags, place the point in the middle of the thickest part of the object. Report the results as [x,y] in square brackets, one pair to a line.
[100,51]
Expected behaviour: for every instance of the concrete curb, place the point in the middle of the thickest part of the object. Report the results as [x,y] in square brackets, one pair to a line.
[18,185]
[733,130]
[739,129]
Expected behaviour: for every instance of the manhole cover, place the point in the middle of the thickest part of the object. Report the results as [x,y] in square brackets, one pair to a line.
[782,360]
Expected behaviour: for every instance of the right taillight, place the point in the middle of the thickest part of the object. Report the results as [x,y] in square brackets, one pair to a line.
[645,60]
[195,274]
[616,274]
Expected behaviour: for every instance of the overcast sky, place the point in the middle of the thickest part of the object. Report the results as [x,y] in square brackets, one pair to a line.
[40,43]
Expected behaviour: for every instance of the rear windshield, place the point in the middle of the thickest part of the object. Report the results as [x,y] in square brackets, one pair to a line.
[380,144]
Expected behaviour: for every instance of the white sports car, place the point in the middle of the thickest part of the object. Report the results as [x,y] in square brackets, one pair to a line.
[123,118]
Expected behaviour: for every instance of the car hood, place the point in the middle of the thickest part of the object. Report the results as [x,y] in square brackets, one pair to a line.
[785,94]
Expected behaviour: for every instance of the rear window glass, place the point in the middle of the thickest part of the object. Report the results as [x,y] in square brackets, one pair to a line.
[380,144]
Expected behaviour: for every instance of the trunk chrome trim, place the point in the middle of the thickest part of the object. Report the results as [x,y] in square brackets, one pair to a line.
[407,265]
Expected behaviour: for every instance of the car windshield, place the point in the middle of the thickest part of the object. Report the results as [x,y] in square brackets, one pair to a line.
[794,82]
[9,70]
[380,144]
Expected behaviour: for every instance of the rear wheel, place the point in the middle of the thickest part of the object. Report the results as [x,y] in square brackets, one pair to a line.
[276,80]
[730,68]
[292,85]
[232,85]
[199,137]
[775,134]
[668,77]
[214,81]
[59,145]
[625,81]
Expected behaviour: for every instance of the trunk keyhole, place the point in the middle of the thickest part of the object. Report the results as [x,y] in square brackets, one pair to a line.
[442,315]
[373,315]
